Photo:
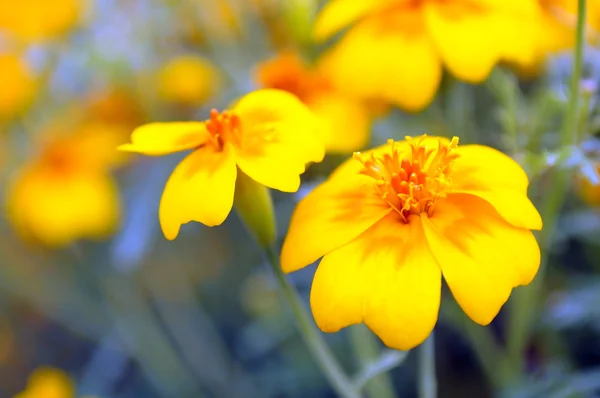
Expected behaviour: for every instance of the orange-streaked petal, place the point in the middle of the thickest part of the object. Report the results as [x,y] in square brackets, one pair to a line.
[200,189]
[329,217]
[386,277]
[390,58]
[163,138]
[280,136]
[481,256]
[498,179]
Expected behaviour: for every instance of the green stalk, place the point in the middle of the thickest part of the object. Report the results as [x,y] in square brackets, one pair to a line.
[312,337]
[427,378]
[525,301]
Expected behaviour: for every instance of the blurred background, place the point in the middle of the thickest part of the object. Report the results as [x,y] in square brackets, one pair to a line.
[94,301]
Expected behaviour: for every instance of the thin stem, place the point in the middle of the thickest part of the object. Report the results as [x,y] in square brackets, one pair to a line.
[312,337]
[427,377]
[526,301]
[366,350]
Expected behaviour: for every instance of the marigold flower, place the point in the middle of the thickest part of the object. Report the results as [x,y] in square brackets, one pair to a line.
[188,80]
[346,121]
[48,382]
[391,222]
[269,135]
[66,192]
[395,49]
[35,20]
[18,84]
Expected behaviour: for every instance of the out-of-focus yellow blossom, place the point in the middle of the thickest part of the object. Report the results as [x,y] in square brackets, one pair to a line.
[18,84]
[35,20]
[66,193]
[395,50]
[269,135]
[589,191]
[116,107]
[389,223]
[48,383]
[188,80]
[346,121]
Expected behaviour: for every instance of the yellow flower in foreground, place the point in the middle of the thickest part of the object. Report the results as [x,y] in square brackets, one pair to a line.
[66,192]
[269,135]
[391,222]
[34,20]
[18,85]
[188,80]
[395,49]
[48,383]
[346,120]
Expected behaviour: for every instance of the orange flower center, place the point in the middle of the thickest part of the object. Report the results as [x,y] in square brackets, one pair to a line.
[223,127]
[412,184]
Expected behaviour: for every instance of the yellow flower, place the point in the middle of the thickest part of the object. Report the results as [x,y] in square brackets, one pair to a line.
[395,49]
[589,191]
[18,85]
[346,121]
[66,192]
[48,383]
[390,223]
[269,135]
[188,80]
[35,20]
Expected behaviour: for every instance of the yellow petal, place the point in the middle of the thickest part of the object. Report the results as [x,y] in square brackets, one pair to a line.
[330,216]
[377,59]
[386,277]
[200,189]
[482,257]
[164,138]
[337,14]
[280,136]
[498,179]
[347,122]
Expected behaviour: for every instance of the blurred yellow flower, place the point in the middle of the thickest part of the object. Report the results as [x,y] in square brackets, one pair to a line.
[269,135]
[188,80]
[346,121]
[395,49]
[66,192]
[391,222]
[589,192]
[35,20]
[115,106]
[48,383]
[18,85]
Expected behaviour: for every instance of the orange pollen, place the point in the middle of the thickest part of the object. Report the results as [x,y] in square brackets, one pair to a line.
[411,183]
[223,127]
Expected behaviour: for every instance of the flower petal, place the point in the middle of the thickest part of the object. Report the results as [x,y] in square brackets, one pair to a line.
[386,277]
[390,57]
[347,122]
[330,216]
[280,136]
[482,257]
[163,138]
[498,179]
[200,189]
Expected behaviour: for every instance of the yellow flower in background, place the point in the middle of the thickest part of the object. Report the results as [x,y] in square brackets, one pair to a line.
[188,80]
[115,106]
[269,135]
[346,121]
[395,50]
[48,382]
[18,85]
[391,222]
[66,193]
[588,191]
[35,20]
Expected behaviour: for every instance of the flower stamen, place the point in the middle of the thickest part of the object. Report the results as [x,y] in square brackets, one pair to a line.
[223,127]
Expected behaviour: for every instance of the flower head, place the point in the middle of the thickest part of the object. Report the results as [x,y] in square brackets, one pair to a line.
[188,80]
[395,50]
[18,85]
[346,121]
[269,135]
[48,383]
[391,222]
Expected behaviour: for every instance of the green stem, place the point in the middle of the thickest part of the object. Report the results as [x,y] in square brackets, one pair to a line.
[366,350]
[427,378]
[525,302]
[312,337]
